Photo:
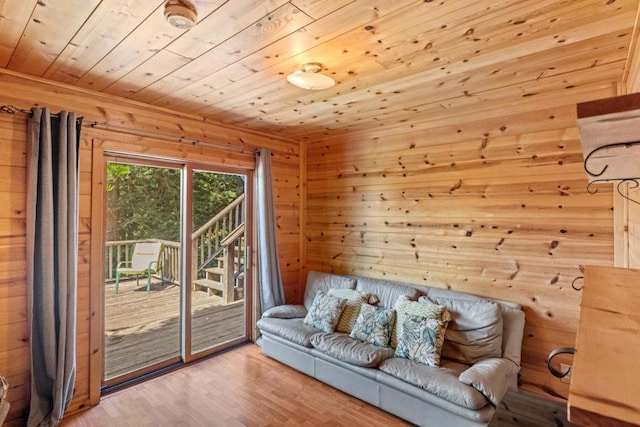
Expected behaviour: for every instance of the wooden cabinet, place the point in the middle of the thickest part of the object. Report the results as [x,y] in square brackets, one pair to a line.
[605,383]
[626,225]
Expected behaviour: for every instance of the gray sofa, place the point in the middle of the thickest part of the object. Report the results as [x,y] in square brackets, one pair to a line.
[478,364]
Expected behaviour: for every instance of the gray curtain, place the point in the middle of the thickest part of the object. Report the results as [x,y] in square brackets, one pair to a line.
[269,278]
[52,248]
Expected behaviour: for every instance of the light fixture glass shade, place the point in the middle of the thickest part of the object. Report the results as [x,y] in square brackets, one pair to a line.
[309,78]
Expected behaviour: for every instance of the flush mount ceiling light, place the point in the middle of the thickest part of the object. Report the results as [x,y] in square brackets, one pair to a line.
[309,77]
[181,14]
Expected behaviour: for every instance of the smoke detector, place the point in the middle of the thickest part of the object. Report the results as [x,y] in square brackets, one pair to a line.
[180,14]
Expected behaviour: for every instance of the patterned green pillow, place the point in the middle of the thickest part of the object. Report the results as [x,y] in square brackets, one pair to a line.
[421,340]
[374,325]
[404,307]
[355,299]
[325,312]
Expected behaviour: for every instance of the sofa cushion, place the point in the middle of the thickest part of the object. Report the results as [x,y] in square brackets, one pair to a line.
[404,307]
[512,332]
[342,347]
[286,311]
[421,340]
[442,382]
[374,325]
[354,300]
[325,312]
[317,281]
[294,330]
[490,377]
[386,291]
[475,330]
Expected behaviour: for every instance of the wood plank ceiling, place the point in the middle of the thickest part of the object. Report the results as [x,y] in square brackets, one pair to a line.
[395,62]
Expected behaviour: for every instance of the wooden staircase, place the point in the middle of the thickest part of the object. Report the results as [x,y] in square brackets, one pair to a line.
[220,245]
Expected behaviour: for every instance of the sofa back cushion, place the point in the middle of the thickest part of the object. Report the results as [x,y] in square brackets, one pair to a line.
[512,320]
[387,292]
[475,330]
[512,332]
[317,281]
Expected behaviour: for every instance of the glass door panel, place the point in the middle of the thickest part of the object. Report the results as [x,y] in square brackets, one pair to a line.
[142,278]
[218,209]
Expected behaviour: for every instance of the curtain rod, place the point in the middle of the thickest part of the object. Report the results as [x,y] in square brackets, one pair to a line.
[133,131]
[10,109]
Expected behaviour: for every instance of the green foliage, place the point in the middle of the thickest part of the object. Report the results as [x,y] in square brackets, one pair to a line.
[114,172]
[143,202]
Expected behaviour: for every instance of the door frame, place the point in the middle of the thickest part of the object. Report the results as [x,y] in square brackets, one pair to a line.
[104,151]
[190,167]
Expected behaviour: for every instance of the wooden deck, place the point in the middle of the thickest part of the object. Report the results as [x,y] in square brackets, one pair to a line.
[142,329]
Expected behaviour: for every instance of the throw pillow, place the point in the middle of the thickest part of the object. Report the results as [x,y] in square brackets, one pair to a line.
[374,325]
[404,307]
[286,312]
[325,312]
[354,300]
[421,340]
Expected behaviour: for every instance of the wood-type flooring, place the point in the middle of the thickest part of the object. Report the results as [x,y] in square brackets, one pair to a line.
[241,387]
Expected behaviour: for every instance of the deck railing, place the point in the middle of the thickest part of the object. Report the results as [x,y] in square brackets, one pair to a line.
[206,245]
[206,241]
[233,265]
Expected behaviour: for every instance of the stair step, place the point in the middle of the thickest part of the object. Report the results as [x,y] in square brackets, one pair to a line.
[221,262]
[214,270]
[207,283]
[221,258]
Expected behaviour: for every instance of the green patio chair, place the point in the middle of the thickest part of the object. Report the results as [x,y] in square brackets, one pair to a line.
[145,261]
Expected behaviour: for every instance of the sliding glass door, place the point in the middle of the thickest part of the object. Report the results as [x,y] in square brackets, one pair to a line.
[176,275]
[218,254]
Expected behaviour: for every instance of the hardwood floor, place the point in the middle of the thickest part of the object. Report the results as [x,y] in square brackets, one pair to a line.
[525,409]
[242,387]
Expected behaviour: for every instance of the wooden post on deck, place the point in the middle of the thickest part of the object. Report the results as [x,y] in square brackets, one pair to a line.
[228,279]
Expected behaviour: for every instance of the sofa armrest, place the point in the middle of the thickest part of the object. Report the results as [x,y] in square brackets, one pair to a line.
[286,312]
[490,377]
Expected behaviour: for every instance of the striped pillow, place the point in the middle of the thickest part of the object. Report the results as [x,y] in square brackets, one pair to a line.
[355,299]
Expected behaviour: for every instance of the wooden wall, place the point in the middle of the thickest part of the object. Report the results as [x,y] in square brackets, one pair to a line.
[495,207]
[24,92]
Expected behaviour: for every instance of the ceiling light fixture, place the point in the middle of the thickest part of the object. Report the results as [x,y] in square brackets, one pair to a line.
[309,77]
[181,14]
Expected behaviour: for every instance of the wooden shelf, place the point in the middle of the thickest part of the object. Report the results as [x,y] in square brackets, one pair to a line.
[4,410]
[606,375]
